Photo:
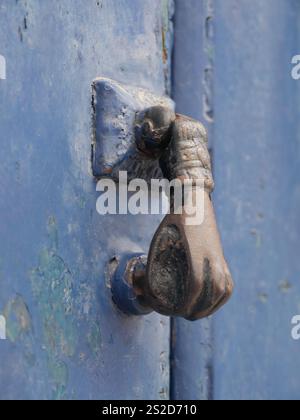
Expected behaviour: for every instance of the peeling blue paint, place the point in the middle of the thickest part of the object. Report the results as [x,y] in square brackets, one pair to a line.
[57,247]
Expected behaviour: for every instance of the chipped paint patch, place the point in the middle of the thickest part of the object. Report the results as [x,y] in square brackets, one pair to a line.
[94,339]
[52,286]
[168,10]
[62,306]
[285,286]
[18,327]
[258,236]
[18,320]
[60,377]
[263,297]
[208,77]
[53,289]
[165,4]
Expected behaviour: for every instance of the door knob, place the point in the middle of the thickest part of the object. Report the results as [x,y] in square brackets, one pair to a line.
[185,273]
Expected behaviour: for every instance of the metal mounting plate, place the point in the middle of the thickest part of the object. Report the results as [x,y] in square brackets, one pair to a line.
[115,107]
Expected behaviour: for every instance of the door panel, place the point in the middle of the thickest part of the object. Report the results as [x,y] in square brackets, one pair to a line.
[65,337]
[246,350]
[257,160]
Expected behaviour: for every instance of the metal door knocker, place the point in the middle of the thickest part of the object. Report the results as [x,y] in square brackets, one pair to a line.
[185,273]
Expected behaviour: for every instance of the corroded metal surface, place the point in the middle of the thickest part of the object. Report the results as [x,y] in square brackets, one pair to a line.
[115,110]
[186,274]
[187,156]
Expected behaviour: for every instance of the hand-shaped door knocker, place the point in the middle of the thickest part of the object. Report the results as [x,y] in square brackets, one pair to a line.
[185,273]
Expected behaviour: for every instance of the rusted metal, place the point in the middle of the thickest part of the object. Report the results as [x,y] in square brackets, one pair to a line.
[186,274]
[118,110]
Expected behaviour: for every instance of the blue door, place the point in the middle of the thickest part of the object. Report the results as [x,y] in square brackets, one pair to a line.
[240,81]
[61,336]
[65,338]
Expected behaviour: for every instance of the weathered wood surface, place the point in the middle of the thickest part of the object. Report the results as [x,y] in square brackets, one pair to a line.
[65,338]
[246,351]
[257,162]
